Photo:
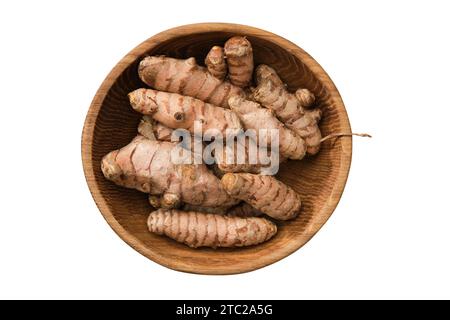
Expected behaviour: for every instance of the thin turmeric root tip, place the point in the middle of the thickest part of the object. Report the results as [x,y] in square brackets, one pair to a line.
[343,134]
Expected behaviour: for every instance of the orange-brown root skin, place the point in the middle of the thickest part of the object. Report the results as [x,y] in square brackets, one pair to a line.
[264,193]
[215,62]
[197,229]
[253,116]
[239,54]
[146,165]
[187,78]
[176,111]
[288,107]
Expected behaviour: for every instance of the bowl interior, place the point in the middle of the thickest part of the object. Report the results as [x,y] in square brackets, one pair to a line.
[318,179]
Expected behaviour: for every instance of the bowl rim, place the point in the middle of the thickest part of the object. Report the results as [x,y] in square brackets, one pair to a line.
[88,133]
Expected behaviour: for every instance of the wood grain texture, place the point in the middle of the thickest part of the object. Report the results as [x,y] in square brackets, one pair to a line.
[111,123]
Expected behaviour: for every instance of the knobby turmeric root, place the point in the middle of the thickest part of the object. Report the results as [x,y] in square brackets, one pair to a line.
[305,97]
[177,111]
[236,158]
[197,229]
[154,130]
[241,210]
[265,193]
[146,165]
[215,62]
[307,128]
[166,201]
[239,54]
[186,78]
[155,201]
[272,94]
[315,114]
[253,116]
[162,132]
[232,152]
[145,128]
[264,72]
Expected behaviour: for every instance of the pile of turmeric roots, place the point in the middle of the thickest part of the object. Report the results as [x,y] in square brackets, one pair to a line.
[221,205]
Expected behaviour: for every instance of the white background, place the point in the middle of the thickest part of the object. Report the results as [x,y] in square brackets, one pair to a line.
[388,238]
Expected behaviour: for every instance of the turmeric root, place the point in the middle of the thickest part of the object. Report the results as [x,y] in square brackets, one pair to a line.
[197,229]
[272,94]
[315,114]
[170,200]
[155,201]
[305,97]
[239,54]
[176,111]
[244,210]
[167,201]
[154,130]
[306,127]
[265,193]
[162,132]
[186,78]
[146,165]
[233,165]
[253,116]
[264,72]
[246,164]
[145,128]
[215,62]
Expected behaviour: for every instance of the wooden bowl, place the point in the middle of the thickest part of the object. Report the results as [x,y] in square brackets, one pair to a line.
[111,123]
